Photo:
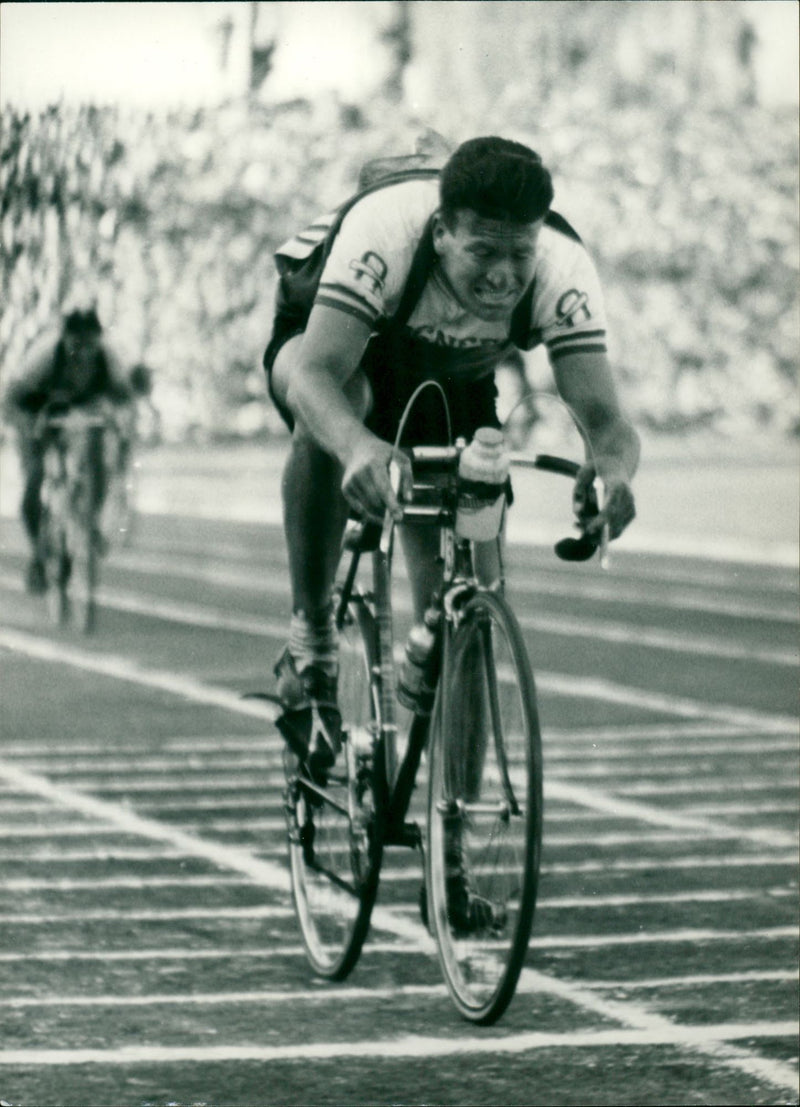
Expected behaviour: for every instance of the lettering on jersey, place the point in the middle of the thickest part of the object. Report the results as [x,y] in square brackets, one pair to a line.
[373,269]
[441,338]
[572,305]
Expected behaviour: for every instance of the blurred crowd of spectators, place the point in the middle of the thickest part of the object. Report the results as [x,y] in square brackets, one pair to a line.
[171,221]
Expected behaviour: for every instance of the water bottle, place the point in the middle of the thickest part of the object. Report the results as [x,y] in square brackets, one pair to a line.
[482,475]
[417,682]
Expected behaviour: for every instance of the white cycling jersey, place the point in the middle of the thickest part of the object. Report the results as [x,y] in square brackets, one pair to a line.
[371,257]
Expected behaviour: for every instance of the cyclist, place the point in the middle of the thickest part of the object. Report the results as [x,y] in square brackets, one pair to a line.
[75,368]
[438,276]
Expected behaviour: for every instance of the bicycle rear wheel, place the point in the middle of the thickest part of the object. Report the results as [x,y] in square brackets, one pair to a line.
[335,832]
[484,810]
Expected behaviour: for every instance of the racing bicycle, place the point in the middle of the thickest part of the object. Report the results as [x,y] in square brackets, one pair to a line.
[70,543]
[483,824]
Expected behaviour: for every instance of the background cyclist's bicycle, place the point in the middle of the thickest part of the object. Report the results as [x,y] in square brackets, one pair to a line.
[70,540]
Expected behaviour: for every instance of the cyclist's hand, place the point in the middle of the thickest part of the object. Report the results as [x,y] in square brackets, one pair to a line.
[366,484]
[618,509]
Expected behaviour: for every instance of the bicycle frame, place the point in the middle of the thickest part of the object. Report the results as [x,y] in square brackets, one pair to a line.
[397,779]
[459,584]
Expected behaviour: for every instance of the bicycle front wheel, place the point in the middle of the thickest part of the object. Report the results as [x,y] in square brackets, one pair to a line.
[335,835]
[484,809]
[52,547]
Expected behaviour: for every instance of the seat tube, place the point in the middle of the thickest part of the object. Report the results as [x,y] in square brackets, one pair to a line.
[381,564]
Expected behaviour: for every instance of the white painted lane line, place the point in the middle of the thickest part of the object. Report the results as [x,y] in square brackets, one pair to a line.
[693,830]
[616,807]
[685,935]
[724,861]
[166,914]
[746,810]
[783,767]
[97,852]
[605,690]
[243,743]
[252,868]
[394,875]
[341,994]
[632,752]
[565,814]
[111,765]
[264,755]
[644,1021]
[644,838]
[697,980]
[677,732]
[708,787]
[123,668]
[701,591]
[25,884]
[637,636]
[545,903]
[702,1037]
[110,814]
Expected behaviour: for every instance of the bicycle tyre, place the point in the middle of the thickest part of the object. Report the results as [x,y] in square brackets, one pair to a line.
[54,556]
[484,812]
[336,833]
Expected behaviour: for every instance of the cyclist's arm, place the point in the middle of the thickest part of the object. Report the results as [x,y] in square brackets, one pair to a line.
[119,388]
[585,383]
[331,351]
[28,391]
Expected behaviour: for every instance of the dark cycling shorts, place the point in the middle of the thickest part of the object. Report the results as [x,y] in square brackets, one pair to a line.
[395,365]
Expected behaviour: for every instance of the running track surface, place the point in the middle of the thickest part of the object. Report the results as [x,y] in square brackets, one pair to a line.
[149,952]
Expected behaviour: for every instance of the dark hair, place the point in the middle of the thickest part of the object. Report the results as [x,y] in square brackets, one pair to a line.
[82,322]
[497,179]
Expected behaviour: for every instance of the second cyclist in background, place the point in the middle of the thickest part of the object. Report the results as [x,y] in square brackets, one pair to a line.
[73,368]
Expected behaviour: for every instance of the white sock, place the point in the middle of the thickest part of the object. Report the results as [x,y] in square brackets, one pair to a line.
[313,641]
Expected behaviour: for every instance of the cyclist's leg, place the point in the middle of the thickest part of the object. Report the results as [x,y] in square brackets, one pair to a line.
[315,511]
[314,515]
[31,458]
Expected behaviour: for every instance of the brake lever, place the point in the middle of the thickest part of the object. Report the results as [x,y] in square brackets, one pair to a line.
[581,549]
[395,477]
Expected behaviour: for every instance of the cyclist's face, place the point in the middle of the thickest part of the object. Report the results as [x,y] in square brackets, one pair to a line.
[81,348]
[488,263]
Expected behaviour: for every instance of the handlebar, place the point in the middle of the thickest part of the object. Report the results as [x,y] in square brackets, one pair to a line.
[75,418]
[443,460]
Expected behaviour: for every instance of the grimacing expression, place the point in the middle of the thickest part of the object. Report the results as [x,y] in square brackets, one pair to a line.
[488,263]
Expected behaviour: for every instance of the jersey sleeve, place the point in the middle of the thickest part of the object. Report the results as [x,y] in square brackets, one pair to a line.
[568,310]
[119,386]
[35,373]
[369,262]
